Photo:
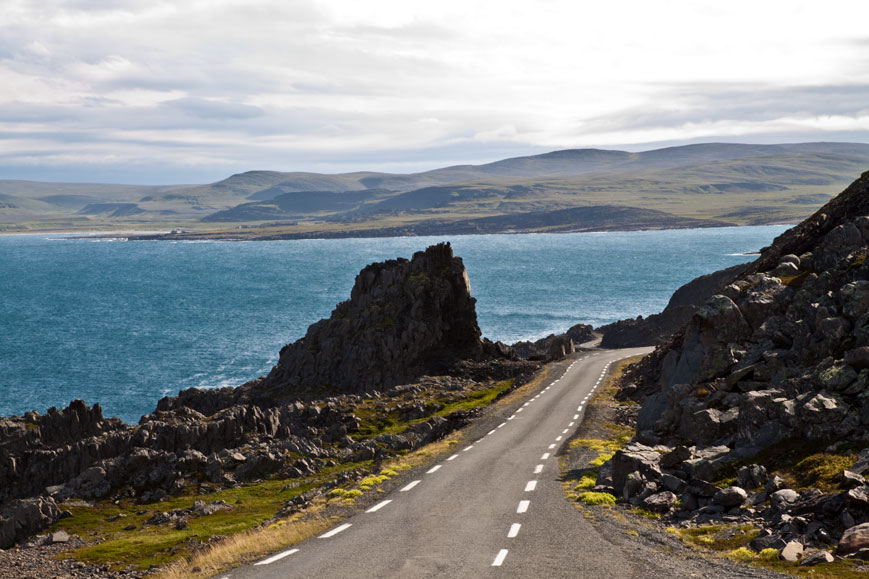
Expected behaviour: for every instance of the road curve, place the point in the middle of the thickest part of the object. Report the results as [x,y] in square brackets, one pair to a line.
[495,508]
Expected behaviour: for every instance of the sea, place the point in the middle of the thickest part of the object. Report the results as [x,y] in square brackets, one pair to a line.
[124,323]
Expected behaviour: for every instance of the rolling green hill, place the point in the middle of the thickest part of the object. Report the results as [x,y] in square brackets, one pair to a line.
[731,183]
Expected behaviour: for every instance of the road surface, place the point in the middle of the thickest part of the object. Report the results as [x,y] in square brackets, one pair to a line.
[495,508]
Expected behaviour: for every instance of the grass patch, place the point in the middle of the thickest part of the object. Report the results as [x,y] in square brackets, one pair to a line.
[725,538]
[601,459]
[148,545]
[592,498]
[588,481]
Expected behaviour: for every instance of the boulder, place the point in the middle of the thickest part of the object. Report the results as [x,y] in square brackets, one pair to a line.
[792,551]
[782,500]
[859,496]
[24,517]
[635,457]
[853,540]
[768,542]
[730,497]
[862,464]
[751,476]
[817,558]
[660,502]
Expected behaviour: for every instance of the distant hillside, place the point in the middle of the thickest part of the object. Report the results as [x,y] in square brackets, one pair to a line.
[732,183]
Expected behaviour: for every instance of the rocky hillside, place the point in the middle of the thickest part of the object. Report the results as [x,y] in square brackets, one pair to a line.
[768,381]
[405,322]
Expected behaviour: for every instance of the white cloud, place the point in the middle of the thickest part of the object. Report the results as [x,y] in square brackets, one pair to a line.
[384,83]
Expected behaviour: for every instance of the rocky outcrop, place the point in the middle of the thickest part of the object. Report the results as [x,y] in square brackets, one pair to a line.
[22,518]
[780,353]
[684,303]
[404,319]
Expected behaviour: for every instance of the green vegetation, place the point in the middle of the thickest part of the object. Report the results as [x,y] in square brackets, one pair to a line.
[717,537]
[593,498]
[587,481]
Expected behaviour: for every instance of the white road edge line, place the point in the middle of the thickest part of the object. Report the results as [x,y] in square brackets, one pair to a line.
[565,431]
[503,424]
[502,554]
[558,438]
[530,486]
[545,456]
[435,468]
[523,506]
[410,486]
[379,506]
[467,448]
[335,531]
[277,557]
[551,446]
[491,432]
[514,530]
[453,457]
[538,469]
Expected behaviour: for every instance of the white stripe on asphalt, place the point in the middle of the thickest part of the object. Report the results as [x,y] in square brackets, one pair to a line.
[523,506]
[467,448]
[435,468]
[410,486]
[545,456]
[514,530]
[532,484]
[335,531]
[277,557]
[379,506]
[453,457]
[538,469]
[502,554]
[551,446]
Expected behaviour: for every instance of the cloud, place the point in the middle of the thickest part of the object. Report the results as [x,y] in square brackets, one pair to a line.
[213,85]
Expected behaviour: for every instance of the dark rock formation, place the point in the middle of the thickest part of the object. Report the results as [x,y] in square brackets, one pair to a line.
[404,319]
[682,305]
[552,347]
[780,353]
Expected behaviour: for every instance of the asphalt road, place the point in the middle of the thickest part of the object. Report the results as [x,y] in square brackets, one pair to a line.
[495,508]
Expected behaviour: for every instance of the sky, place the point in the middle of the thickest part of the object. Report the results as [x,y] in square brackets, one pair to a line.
[164,91]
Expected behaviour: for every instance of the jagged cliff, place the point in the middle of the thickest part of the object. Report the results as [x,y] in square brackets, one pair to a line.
[779,358]
[404,319]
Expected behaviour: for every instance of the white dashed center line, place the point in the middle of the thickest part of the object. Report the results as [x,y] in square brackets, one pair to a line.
[514,530]
[410,486]
[530,486]
[336,530]
[502,554]
[523,506]
[280,556]
[435,468]
[378,506]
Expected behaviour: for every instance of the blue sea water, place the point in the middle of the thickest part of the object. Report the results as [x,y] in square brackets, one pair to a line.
[125,323]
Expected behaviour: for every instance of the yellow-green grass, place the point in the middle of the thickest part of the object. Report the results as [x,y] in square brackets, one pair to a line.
[722,538]
[593,498]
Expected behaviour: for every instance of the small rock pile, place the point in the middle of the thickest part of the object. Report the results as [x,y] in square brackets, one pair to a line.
[673,481]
